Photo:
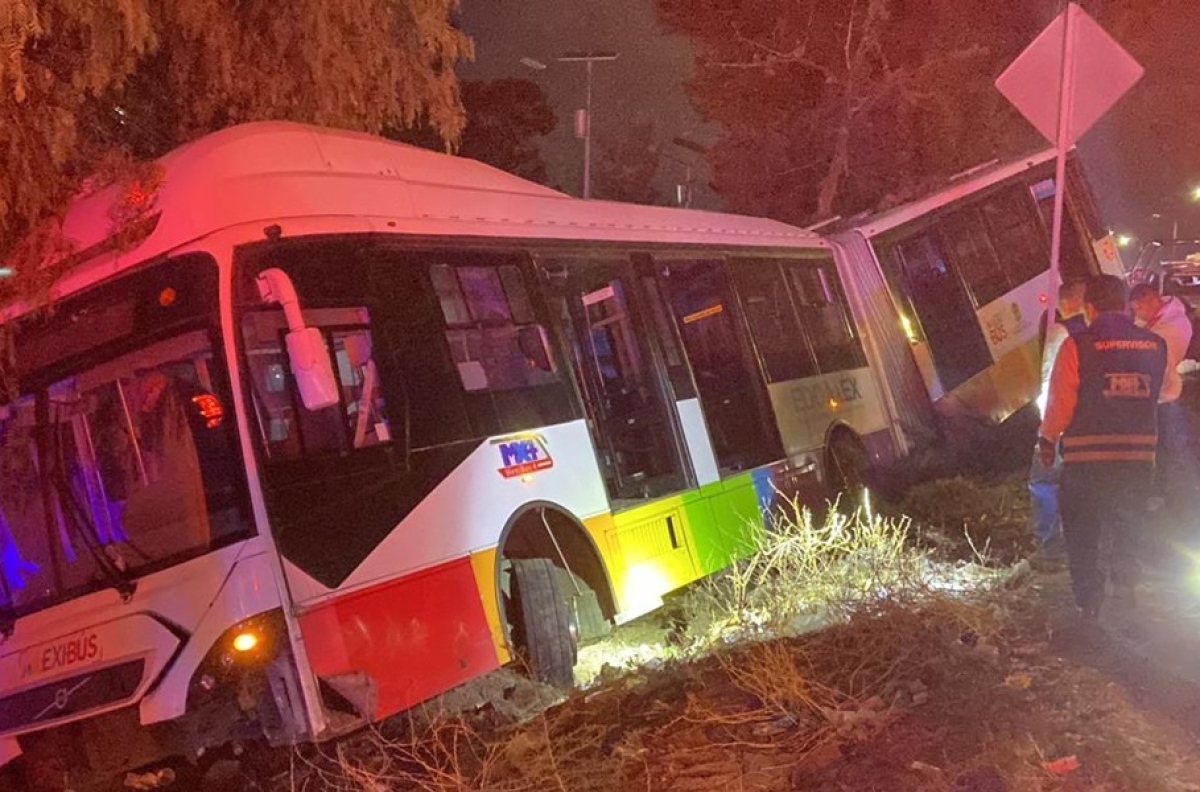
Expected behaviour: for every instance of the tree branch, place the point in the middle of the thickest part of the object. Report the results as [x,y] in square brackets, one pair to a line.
[768,56]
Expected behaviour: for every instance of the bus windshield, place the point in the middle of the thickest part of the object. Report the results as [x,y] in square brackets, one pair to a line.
[116,470]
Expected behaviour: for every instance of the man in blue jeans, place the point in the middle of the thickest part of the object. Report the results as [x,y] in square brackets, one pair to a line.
[1044,479]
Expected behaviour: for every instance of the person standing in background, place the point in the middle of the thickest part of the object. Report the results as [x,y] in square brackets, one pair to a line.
[1044,479]
[1177,474]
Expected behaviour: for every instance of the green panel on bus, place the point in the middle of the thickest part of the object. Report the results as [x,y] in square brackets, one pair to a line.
[724,521]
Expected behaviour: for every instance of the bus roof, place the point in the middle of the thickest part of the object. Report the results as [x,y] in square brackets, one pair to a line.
[270,172]
[957,187]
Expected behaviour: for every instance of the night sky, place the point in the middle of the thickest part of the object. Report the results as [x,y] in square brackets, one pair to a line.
[1143,158]
[644,83]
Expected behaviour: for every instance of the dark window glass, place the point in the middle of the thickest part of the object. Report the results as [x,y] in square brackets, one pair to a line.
[1017,234]
[457,339]
[484,293]
[137,468]
[495,352]
[825,316]
[519,306]
[677,367]
[1074,260]
[118,452]
[967,246]
[947,319]
[730,386]
[290,430]
[449,293]
[781,344]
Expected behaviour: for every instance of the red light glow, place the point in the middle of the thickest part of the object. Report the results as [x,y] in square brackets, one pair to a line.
[210,409]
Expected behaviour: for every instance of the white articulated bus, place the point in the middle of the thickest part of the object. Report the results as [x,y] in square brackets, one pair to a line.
[341,423]
[952,287]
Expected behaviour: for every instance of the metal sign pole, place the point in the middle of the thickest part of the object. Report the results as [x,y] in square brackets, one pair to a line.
[1063,144]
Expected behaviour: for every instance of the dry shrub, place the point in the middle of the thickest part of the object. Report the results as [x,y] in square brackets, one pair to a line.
[970,517]
[807,572]
[751,704]
[889,612]
[450,755]
[845,665]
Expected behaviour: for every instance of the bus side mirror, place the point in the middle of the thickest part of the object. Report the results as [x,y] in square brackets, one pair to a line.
[309,358]
[307,354]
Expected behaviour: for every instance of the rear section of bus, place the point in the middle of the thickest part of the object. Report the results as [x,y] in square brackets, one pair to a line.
[954,287]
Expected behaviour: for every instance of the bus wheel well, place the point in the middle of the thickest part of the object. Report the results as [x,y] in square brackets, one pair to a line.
[544,531]
[847,461]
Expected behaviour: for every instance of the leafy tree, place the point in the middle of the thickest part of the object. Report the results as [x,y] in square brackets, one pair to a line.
[86,83]
[835,107]
[625,162]
[504,120]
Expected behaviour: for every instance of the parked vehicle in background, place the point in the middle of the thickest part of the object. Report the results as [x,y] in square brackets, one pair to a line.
[337,424]
[952,287]
[1174,265]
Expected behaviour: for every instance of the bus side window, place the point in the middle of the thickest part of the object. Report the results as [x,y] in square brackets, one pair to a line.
[490,329]
[1075,262]
[774,326]
[970,250]
[1016,234]
[826,316]
[287,428]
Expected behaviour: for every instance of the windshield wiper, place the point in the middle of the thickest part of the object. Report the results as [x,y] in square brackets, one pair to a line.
[77,517]
[74,514]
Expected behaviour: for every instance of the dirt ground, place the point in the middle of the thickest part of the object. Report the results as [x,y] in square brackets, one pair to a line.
[1010,693]
[996,689]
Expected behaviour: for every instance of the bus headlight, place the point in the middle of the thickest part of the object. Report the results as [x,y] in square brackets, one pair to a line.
[252,641]
[243,649]
[244,642]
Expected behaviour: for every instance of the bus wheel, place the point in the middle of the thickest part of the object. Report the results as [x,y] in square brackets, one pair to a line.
[542,623]
[587,617]
[847,463]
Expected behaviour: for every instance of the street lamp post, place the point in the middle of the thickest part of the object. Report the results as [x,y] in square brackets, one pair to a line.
[588,59]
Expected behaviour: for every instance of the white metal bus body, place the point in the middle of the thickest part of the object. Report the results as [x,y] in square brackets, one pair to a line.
[952,287]
[544,414]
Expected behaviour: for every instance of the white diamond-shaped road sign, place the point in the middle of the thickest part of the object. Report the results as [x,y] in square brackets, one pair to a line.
[1099,72]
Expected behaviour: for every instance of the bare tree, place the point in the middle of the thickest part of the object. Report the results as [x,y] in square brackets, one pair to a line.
[813,95]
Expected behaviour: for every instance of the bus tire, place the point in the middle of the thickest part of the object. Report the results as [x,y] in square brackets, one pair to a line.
[847,464]
[587,617]
[542,624]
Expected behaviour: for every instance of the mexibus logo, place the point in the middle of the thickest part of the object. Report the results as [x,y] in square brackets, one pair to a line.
[523,454]
[79,648]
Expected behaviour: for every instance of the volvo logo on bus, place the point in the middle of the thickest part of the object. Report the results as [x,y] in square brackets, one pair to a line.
[523,454]
[62,697]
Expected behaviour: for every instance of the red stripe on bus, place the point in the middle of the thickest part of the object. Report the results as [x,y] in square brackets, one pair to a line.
[414,637]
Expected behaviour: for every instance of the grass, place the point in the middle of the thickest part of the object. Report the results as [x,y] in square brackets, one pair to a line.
[744,697]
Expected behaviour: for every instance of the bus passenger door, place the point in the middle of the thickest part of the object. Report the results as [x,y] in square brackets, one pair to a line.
[618,374]
[728,377]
